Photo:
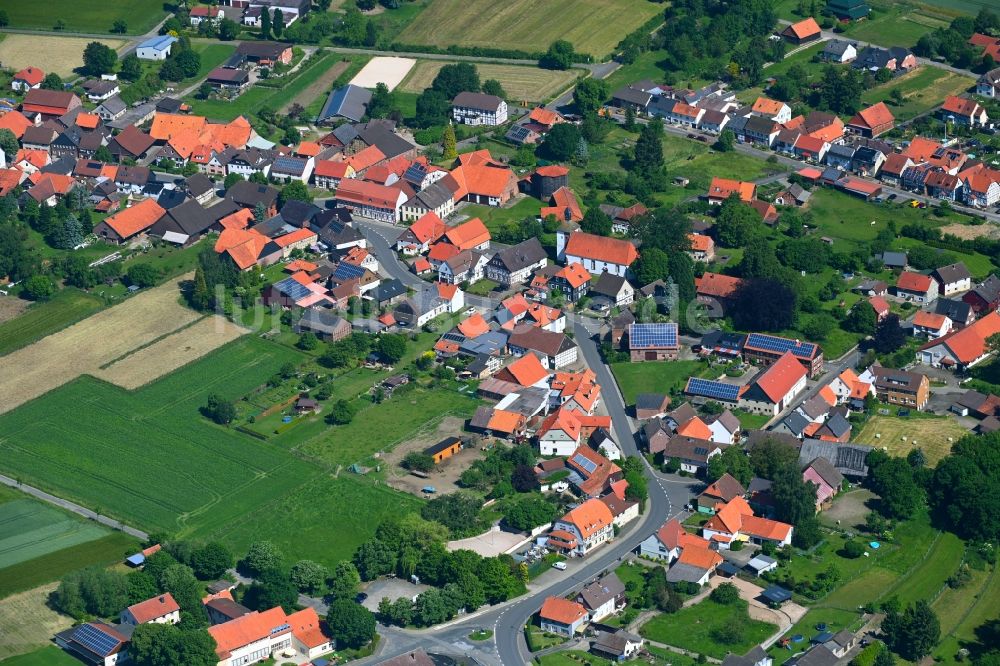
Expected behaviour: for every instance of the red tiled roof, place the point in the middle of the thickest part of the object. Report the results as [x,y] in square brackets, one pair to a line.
[562,611]
[921,149]
[475,325]
[723,188]
[544,116]
[243,631]
[879,304]
[590,517]
[563,200]
[134,219]
[15,122]
[600,248]
[365,193]
[575,275]
[307,629]
[770,107]
[930,320]
[717,285]
[873,116]
[527,370]
[150,609]
[428,228]
[914,282]
[330,169]
[960,105]
[468,235]
[30,75]
[804,28]
[779,379]
[969,343]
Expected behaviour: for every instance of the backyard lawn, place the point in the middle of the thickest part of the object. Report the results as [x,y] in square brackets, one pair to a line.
[709,628]
[934,436]
[923,89]
[654,376]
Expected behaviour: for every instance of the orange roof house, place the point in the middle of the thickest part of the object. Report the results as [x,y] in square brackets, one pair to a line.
[9,179]
[736,520]
[243,246]
[241,219]
[152,609]
[427,229]
[30,76]
[914,282]
[365,159]
[250,628]
[544,116]
[440,252]
[130,222]
[556,610]
[590,249]
[509,423]
[308,630]
[525,371]
[695,428]
[779,380]
[480,179]
[308,149]
[473,326]
[574,274]
[469,235]
[15,122]
[921,149]
[701,557]
[721,189]
[768,107]
[963,347]
[166,125]
[589,518]
[716,285]
[87,120]
[873,121]
[564,206]
[802,32]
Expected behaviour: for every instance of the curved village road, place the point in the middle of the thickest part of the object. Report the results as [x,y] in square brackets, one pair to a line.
[73,507]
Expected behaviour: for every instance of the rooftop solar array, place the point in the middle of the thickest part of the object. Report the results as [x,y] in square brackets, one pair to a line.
[586,463]
[701,450]
[347,271]
[778,345]
[292,289]
[95,640]
[289,164]
[652,335]
[708,388]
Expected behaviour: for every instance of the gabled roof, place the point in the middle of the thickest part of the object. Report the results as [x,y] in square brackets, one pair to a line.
[151,609]
[136,218]
[590,517]
[915,282]
[562,611]
[804,28]
[873,116]
[960,106]
[723,188]
[777,380]
[717,285]
[574,274]
[969,343]
[238,633]
[770,107]
[30,75]
[601,248]
[527,370]
[468,235]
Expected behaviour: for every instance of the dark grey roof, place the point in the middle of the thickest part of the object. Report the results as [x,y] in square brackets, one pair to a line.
[294,166]
[632,96]
[337,233]
[171,198]
[323,321]
[199,184]
[477,101]
[795,423]
[867,155]
[345,133]
[650,400]
[849,459]
[189,218]
[390,143]
[817,656]
[956,310]
[387,290]
[167,105]
[262,50]
[952,273]
[837,47]
[599,592]
[520,256]
[894,259]
[64,165]
[608,284]
[431,197]
[759,125]
[299,213]
[349,102]
[488,343]
[988,289]
[249,194]
[687,573]
[872,57]
[614,643]
[838,425]
[842,150]
[113,105]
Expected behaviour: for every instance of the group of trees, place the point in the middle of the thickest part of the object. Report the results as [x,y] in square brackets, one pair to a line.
[434,103]
[794,497]
[952,43]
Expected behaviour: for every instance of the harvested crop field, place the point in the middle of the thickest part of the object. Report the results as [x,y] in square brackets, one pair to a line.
[28,623]
[319,86]
[108,336]
[171,352]
[901,435]
[50,54]
[388,70]
[971,231]
[593,26]
[521,83]
[11,307]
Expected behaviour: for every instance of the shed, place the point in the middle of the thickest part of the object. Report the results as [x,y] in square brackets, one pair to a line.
[776,595]
[761,564]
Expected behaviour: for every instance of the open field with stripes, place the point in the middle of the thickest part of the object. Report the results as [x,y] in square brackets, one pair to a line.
[530,84]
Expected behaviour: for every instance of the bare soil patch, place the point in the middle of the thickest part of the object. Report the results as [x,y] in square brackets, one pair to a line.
[50,54]
[115,335]
[971,231]
[319,86]
[848,510]
[28,623]
[171,352]
[11,307]
[444,477]
[384,69]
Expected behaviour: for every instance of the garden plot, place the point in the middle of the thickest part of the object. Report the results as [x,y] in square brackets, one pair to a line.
[50,54]
[387,70]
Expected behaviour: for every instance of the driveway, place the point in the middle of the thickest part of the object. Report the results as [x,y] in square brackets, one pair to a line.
[785,617]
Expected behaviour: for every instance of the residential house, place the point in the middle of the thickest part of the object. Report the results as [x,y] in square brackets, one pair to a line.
[952,279]
[735,521]
[481,180]
[962,348]
[419,236]
[515,264]
[99,90]
[470,235]
[325,325]
[466,266]
[721,189]
[719,492]
[872,122]
[761,131]
[980,186]
[653,341]
[573,281]
[161,609]
[27,79]
[894,59]
[724,427]
[895,165]
[702,248]
[667,542]
[563,206]
[802,32]
[764,349]
[618,646]
[985,296]
[597,253]
[931,325]
[265,54]
[197,15]
[916,287]
[963,111]
[774,388]
[562,616]
[555,350]
[716,288]
[651,405]
[943,185]
[902,388]
[839,51]
[959,312]
[371,200]
[692,453]
[988,84]
[695,565]
[435,198]
[603,598]
[413,314]
[584,528]
[631,97]
[130,144]
[611,291]
[772,109]
[473,108]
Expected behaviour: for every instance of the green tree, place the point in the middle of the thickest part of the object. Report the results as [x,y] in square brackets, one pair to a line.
[166,645]
[39,288]
[449,142]
[653,265]
[419,461]
[561,142]
[219,409]
[914,632]
[861,319]
[271,587]
[528,511]
[229,29]
[649,148]
[8,144]
[733,461]
[596,221]
[260,556]
[341,413]
[307,341]
[143,275]
[119,27]
[900,495]
[381,103]
[294,191]
[211,561]
[560,55]
[189,62]
[736,222]
[726,142]
[278,23]
[351,624]
[308,577]
[344,580]
[371,33]
[889,335]
[590,95]
[433,108]
[99,59]
[4,18]
[495,88]
[131,69]
[391,347]
[455,78]
[725,594]
[201,297]
[265,24]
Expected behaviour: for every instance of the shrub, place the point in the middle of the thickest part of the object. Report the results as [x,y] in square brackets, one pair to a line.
[726,594]
[853,550]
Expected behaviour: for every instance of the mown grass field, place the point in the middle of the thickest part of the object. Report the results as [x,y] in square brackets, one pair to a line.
[933,436]
[94,16]
[66,307]
[49,655]
[48,52]
[28,622]
[212,55]
[46,568]
[592,26]
[695,628]
[532,84]
[922,90]
[654,377]
[31,528]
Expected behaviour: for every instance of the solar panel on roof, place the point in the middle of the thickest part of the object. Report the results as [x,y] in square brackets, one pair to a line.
[781,345]
[347,271]
[587,464]
[293,289]
[701,450]
[708,388]
[653,335]
[95,640]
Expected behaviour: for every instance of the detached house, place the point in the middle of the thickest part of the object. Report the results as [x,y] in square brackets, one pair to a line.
[952,279]
[736,522]
[597,254]
[772,109]
[562,616]
[161,609]
[603,597]
[899,387]
[839,51]
[471,108]
[985,296]
[667,542]
[872,122]
[775,388]
[989,84]
[419,236]
[963,111]
[515,264]
[803,32]
[916,287]
[582,529]
[962,348]
[930,324]
[27,79]
[692,453]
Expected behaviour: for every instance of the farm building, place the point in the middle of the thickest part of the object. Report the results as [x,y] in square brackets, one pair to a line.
[444,449]
[155,48]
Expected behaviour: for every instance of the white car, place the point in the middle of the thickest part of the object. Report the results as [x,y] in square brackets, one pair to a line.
[469,312]
[559,565]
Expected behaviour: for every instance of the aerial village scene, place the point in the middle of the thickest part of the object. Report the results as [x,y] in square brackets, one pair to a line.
[495,333]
